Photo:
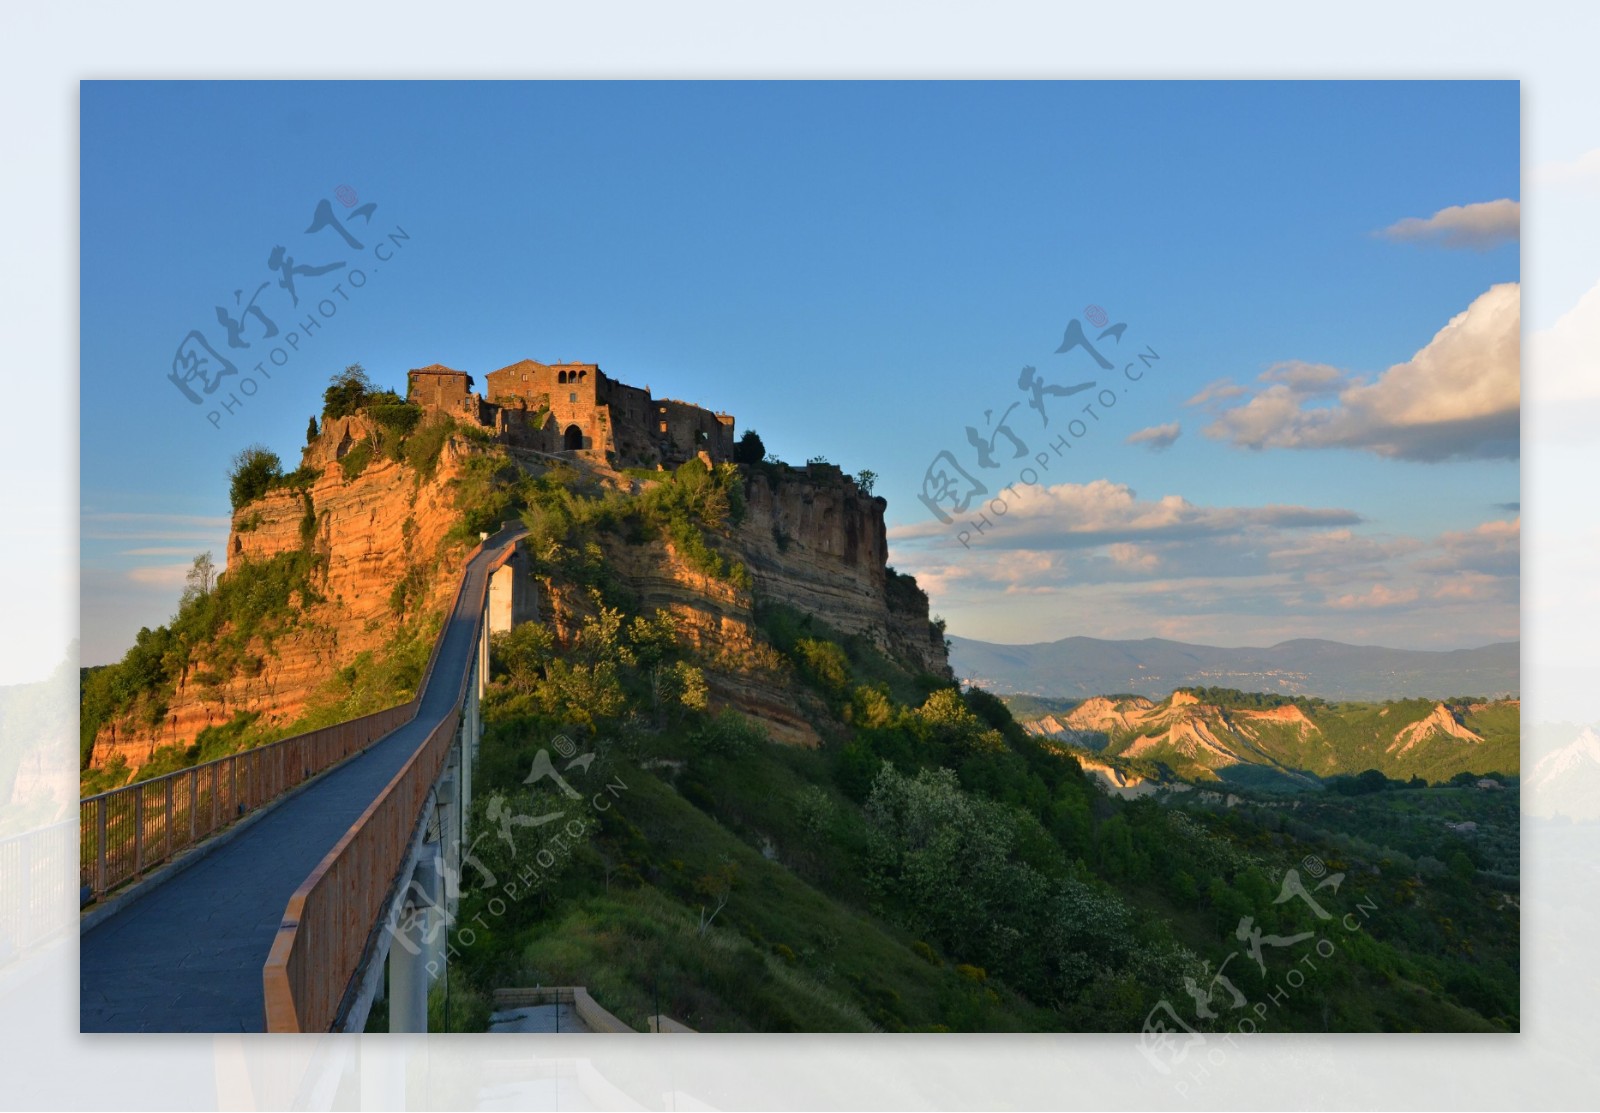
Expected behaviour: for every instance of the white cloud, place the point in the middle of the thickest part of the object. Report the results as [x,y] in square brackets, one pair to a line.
[1219,390]
[1565,358]
[1479,226]
[1133,556]
[160,575]
[1109,564]
[1458,397]
[1493,549]
[1376,597]
[124,526]
[1085,515]
[1157,437]
[1305,378]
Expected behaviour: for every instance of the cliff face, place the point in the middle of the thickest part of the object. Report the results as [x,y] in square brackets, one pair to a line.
[813,542]
[370,531]
[818,544]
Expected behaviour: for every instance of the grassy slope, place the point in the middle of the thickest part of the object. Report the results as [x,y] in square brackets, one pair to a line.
[782,955]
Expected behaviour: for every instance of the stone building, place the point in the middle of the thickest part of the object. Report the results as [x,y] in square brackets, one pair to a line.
[577,408]
[437,387]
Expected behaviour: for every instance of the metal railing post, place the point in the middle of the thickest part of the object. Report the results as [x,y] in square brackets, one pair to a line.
[138,829]
[100,845]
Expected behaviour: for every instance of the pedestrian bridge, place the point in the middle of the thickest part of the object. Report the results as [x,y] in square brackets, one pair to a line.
[266,891]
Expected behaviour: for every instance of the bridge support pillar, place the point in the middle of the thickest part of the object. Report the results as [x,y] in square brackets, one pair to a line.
[430,881]
[452,828]
[408,974]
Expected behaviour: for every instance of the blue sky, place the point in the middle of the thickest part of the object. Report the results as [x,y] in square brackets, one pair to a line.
[859,271]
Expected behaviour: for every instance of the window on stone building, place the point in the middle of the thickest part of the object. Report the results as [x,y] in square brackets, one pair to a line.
[572,398]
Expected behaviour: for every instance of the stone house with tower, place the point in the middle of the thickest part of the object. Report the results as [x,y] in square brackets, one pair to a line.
[576,408]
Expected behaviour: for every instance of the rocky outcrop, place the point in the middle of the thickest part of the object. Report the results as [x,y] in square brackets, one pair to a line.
[1441,721]
[811,539]
[1247,721]
[368,532]
[815,541]
[1110,716]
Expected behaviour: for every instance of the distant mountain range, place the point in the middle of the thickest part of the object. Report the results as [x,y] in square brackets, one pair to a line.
[1077,668]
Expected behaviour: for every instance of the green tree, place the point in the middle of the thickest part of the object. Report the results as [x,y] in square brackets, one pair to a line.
[252,474]
[312,430]
[749,450]
[200,581]
[866,479]
[523,652]
[347,392]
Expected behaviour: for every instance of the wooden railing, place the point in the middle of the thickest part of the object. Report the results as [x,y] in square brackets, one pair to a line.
[337,912]
[331,916]
[125,832]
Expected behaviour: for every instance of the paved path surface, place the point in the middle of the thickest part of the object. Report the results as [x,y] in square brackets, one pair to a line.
[187,956]
[538,1018]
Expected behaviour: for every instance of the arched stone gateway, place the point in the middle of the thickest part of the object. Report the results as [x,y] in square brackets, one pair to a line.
[572,439]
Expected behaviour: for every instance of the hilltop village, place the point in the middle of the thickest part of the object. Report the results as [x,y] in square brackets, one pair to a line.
[577,408]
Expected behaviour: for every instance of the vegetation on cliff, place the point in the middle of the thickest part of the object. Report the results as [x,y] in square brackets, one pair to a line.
[930,866]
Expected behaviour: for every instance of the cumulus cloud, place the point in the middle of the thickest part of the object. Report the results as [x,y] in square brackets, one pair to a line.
[1114,565]
[1157,437]
[1564,354]
[1457,398]
[1478,226]
[1305,378]
[1085,515]
[1493,548]
[1133,556]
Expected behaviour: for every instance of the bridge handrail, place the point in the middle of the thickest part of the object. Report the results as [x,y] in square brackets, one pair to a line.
[333,916]
[123,832]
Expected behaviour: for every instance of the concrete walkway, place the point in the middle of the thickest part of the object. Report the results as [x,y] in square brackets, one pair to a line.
[187,956]
[538,1018]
